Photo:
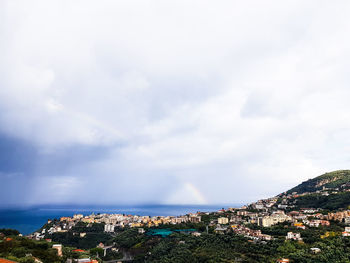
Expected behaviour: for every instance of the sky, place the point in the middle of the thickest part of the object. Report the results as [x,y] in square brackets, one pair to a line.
[170,102]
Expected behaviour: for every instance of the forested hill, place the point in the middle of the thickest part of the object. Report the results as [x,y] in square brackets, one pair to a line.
[329,191]
[331,180]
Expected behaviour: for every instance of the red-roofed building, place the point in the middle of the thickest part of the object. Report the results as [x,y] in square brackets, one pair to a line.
[79,250]
[2,260]
[87,260]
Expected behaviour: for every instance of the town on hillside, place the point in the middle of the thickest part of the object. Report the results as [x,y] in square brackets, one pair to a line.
[294,226]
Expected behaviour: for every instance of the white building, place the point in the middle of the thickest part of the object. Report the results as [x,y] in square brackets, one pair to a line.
[259,206]
[109,228]
[275,218]
[195,219]
[223,220]
[347,220]
[315,250]
[293,236]
[58,247]
[78,216]
[346,233]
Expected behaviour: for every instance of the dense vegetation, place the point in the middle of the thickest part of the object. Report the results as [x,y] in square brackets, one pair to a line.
[335,179]
[208,248]
[9,232]
[23,250]
[179,247]
[330,202]
[232,248]
[89,241]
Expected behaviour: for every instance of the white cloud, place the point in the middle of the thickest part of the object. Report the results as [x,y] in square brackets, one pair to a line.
[213,95]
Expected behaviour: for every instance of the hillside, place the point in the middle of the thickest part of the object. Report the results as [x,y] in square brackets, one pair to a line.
[332,180]
[329,191]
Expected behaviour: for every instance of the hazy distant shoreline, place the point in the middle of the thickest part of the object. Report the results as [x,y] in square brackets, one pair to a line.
[27,220]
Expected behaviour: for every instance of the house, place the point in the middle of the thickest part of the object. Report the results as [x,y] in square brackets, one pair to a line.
[195,219]
[299,225]
[293,236]
[223,220]
[109,228]
[325,223]
[275,218]
[283,260]
[36,260]
[317,223]
[282,206]
[220,230]
[79,250]
[59,249]
[315,250]
[86,260]
[346,233]
[265,237]
[259,206]
[2,260]
[347,220]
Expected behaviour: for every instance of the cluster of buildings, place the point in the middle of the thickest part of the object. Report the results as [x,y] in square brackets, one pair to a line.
[117,220]
[249,233]
[341,216]
[240,218]
[264,213]
[286,200]
[113,221]
[273,219]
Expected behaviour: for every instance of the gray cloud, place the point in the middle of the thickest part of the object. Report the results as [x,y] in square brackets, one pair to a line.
[171,102]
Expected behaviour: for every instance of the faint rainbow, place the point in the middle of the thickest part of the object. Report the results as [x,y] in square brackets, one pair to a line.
[196,193]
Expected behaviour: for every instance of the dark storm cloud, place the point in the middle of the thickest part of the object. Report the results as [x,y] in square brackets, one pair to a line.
[63,159]
[17,156]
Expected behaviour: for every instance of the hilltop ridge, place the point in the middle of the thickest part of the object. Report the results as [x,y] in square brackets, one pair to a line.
[331,180]
[328,191]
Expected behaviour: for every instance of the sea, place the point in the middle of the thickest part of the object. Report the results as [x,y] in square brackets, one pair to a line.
[28,220]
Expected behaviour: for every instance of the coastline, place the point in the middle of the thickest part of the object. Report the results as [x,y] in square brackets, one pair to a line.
[28,220]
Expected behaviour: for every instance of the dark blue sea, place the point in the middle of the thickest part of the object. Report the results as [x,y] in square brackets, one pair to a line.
[29,220]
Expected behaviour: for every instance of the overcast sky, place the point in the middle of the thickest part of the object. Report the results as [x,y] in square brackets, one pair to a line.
[171,102]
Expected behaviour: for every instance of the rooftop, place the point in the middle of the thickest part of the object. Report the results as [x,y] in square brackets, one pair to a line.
[2,260]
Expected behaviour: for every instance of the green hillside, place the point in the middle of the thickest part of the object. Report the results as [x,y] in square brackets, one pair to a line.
[328,180]
[329,191]
[331,202]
